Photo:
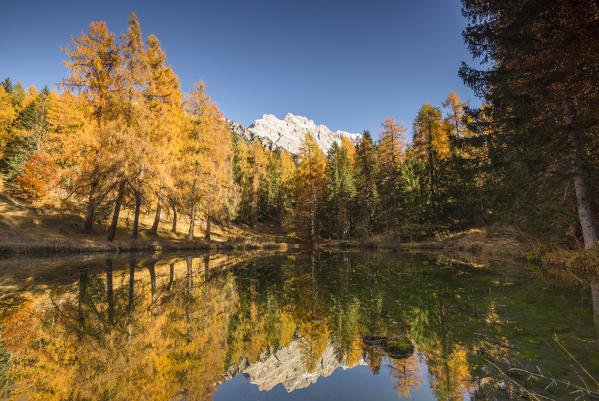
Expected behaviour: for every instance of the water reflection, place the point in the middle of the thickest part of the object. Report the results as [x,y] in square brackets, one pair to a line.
[189,327]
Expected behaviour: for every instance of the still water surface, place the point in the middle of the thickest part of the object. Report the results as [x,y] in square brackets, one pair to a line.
[302,326]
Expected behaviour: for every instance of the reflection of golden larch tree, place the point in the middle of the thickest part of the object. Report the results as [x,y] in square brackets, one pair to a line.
[449,373]
[406,375]
[353,358]
[315,338]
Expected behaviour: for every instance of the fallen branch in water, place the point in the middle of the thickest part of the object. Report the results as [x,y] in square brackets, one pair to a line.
[575,360]
[577,390]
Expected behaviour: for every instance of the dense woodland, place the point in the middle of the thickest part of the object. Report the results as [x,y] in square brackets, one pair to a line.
[118,133]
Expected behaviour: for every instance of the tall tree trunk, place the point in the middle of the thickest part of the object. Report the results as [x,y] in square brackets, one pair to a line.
[394,212]
[192,218]
[431,173]
[194,188]
[343,221]
[117,210]
[174,227]
[367,210]
[387,220]
[583,195]
[431,180]
[313,219]
[254,204]
[208,219]
[154,228]
[91,207]
[349,222]
[395,207]
[136,216]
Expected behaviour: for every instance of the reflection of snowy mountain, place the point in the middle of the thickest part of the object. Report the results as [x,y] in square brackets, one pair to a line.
[287,366]
[289,132]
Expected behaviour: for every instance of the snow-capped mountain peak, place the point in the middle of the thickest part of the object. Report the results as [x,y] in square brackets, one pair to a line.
[289,132]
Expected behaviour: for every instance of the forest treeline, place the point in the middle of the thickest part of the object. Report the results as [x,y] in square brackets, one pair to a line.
[119,133]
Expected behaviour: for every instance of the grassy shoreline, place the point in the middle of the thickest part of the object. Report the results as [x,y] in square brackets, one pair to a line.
[246,240]
[487,244]
[27,231]
[47,230]
[157,245]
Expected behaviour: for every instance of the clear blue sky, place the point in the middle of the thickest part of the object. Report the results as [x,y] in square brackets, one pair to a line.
[347,64]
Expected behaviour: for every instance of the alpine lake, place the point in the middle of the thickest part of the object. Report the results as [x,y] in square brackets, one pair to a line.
[295,325]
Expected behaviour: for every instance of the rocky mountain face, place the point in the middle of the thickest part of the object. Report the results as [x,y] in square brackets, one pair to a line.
[286,366]
[289,132]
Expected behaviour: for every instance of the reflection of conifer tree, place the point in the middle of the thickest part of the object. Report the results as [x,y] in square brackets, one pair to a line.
[109,291]
[206,269]
[374,301]
[374,356]
[82,294]
[188,263]
[152,271]
[131,284]
[171,276]
[188,300]
[344,314]
[446,359]
[130,333]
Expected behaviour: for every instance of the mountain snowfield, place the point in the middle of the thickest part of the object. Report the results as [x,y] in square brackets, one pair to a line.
[289,132]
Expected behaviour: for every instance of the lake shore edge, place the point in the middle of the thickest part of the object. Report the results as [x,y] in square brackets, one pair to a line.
[40,233]
[36,247]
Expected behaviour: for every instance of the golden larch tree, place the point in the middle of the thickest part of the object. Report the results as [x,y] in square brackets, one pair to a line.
[391,151]
[310,185]
[93,63]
